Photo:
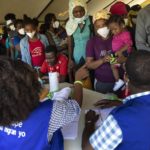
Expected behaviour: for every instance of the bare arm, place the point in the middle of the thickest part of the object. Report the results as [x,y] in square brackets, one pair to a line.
[87,132]
[71,63]
[81,74]
[70,47]
[78,94]
[121,58]
[124,48]
[90,120]
[91,64]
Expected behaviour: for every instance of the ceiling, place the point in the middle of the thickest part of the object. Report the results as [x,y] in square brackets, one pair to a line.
[19,7]
[60,7]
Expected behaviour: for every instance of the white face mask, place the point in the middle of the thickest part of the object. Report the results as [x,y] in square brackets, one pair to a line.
[21,31]
[12,27]
[80,20]
[103,32]
[8,22]
[31,34]
[56,24]
[126,21]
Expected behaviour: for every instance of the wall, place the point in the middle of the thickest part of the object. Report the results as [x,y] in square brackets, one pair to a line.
[145,3]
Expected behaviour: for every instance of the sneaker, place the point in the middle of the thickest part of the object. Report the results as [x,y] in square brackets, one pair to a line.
[118,85]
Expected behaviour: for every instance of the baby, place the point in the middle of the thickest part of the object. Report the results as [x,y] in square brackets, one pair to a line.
[121,46]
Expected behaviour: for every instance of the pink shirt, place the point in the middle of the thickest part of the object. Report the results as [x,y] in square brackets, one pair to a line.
[120,40]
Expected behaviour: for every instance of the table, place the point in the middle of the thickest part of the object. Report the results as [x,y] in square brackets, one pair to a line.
[89,98]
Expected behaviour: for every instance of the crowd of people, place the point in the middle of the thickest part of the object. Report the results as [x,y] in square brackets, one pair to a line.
[107,52]
[102,42]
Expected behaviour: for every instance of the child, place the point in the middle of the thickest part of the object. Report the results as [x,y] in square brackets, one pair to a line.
[33,45]
[55,63]
[121,45]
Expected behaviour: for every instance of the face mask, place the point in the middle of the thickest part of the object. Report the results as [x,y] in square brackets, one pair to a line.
[80,20]
[126,21]
[56,24]
[21,31]
[103,32]
[8,22]
[12,27]
[31,34]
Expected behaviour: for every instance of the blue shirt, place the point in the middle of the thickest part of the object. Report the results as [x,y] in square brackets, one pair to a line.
[80,37]
[110,135]
[31,134]
[17,40]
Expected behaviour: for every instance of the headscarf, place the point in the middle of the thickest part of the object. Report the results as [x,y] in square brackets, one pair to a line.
[72,25]
[119,8]
[103,14]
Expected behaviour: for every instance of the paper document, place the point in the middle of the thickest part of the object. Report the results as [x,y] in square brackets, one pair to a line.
[70,131]
[103,113]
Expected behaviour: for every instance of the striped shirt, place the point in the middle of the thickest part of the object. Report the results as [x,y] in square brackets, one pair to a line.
[63,113]
[109,135]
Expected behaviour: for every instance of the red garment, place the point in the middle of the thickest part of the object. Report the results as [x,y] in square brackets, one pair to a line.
[3,41]
[61,66]
[119,8]
[124,93]
[37,52]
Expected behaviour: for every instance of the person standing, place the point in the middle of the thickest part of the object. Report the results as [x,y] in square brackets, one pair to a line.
[121,129]
[33,45]
[20,35]
[55,33]
[79,29]
[143,29]
[10,19]
[97,49]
